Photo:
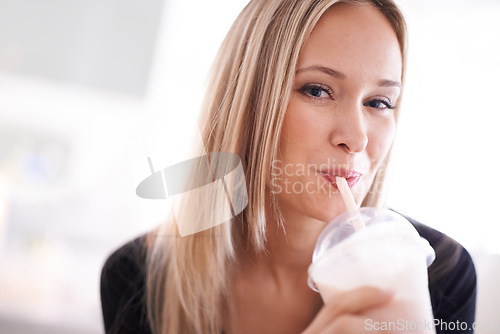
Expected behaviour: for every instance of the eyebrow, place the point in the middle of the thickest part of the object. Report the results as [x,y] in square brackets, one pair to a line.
[340,75]
[389,83]
[326,70]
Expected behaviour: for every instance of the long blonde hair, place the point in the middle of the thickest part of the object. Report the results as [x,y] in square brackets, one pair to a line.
[243,111]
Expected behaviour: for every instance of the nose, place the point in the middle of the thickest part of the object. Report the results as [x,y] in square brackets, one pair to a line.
[349,130]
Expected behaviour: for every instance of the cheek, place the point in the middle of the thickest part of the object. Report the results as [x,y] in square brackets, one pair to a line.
[382,136]
[300,129]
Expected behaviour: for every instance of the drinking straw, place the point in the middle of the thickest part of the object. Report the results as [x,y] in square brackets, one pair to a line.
[349,202]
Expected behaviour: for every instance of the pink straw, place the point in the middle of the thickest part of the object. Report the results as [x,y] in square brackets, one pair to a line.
[349,202]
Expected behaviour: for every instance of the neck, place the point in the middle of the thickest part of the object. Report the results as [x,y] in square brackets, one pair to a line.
[289,248]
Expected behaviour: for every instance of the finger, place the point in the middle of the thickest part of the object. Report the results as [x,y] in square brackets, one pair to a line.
[359,300]
[347,324]
[351,324]
[348,302]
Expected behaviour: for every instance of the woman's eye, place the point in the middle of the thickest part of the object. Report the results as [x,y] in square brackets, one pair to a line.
[379,104]
[316,91]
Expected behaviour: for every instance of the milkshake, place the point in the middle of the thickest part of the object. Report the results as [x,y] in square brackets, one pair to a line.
[388,254]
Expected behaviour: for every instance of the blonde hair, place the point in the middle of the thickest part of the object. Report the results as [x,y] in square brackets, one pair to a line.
[243,114]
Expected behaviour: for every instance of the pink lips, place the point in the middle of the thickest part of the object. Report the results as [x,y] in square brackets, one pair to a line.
[352,176]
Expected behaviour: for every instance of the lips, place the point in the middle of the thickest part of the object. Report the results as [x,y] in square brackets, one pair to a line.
[352,176]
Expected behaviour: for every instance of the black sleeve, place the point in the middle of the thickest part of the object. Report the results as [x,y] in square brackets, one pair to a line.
[452,283]
[123,290]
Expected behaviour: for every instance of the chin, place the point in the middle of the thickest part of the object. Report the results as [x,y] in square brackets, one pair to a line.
[330,210]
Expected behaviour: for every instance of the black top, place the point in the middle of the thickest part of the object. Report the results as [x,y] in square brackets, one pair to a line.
[452,286]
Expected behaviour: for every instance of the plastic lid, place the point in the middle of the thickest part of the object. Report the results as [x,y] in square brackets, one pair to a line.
[340,229]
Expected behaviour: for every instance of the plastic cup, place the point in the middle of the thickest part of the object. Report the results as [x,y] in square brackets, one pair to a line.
[388,254]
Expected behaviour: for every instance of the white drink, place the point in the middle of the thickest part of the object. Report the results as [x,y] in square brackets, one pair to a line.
[387,254]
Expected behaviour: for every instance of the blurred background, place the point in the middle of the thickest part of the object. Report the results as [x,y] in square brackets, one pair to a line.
[82,82]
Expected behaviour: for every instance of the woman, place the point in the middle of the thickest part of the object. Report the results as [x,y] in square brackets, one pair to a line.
[302,91]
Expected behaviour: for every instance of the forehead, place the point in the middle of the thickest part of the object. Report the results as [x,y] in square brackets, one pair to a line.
[354,38]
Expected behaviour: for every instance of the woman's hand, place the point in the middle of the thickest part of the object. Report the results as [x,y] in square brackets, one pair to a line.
[344,314]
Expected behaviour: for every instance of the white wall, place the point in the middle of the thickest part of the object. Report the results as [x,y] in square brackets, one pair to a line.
[446,163]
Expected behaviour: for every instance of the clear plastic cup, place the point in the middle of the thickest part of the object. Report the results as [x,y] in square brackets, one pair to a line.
[388,254]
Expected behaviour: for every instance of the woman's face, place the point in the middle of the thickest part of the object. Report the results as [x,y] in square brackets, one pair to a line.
[340,118]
